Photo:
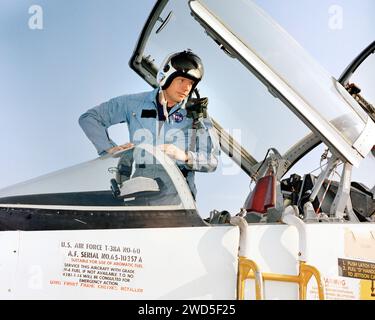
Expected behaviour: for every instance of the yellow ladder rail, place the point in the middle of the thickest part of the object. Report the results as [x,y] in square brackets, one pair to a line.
[247,269]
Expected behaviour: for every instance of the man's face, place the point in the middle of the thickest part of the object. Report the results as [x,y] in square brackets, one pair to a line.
[178,90]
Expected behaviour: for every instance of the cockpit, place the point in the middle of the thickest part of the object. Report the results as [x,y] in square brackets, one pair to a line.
[139,187]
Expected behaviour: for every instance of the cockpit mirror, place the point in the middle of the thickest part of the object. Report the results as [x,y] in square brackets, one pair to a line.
[164,22]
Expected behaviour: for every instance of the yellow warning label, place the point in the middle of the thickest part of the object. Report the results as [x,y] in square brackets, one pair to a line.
[367,289]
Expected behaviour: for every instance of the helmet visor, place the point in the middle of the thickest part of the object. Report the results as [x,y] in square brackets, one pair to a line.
[188,64]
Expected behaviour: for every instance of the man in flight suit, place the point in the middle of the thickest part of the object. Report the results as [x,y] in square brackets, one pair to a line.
[159,117]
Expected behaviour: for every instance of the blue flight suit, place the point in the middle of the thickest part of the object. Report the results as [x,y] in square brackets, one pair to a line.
[140,112]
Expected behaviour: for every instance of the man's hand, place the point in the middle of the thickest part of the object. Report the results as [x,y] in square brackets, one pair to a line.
[122,147]
[176,153]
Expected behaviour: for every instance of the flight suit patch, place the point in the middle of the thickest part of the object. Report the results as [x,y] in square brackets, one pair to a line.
[148,113]
[178,117]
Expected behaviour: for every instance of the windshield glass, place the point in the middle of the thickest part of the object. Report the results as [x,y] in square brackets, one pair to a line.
[134,178]
[237,99]
[292,63]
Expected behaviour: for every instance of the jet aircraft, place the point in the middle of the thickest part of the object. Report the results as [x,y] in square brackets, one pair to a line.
[97,231]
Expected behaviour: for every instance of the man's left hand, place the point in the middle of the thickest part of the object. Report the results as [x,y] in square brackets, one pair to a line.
[172,151]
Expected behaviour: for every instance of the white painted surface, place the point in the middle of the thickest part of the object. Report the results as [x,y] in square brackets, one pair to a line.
[178,263]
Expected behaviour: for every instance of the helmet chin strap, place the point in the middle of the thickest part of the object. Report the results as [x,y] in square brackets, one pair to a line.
[164,103]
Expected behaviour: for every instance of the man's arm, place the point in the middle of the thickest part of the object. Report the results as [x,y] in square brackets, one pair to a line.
[97,120]
[207,150]
[206,154]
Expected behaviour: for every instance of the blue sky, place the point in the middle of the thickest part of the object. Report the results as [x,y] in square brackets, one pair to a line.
[50,76]
[79,59]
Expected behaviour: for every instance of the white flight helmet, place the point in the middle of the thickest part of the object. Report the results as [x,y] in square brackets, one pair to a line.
[181,64]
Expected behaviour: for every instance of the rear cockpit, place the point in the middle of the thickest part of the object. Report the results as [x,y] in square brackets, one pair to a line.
[328,195]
